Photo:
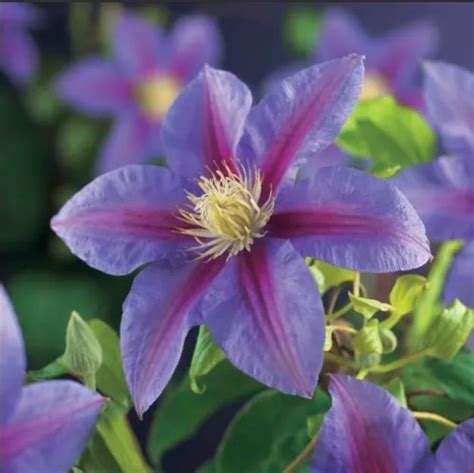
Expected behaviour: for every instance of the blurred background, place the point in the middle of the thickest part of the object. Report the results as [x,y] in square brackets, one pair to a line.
[48,150]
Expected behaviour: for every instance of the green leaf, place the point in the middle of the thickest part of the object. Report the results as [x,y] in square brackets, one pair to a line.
[332,275]
[328,337]
[456,376]
[268,432]
[313,424]
[224,385]
[97,458]
[207,355]
[368,307]
[83,354]
[388,134]
[428,305]
[367,345]
[110,376]
[301,30]
[396,388]
[406,291]
[209,467]
[117,435]
[450,331]
[55,369]
[388,339]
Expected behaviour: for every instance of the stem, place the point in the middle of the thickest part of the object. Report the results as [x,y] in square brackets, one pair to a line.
[391,320]
[339,313]
[340,360]
[302,456]
[404,360]
[356,285]
[334,297]
[436,418]
[425,392]
[343,328]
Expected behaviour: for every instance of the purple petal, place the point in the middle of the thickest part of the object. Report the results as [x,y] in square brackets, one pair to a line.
[18,55]
[158,313]
[96,87]
[12,358]
[341,34]
[351,219]
[398,56]
[205,122]
[449,95]
[195,41]
[49,427]
[442,192]
[367,430]
[18,14]
[140,47]
[300,117]
[124,219]
[456,452]
[265,311]
[132,140]
[460,281]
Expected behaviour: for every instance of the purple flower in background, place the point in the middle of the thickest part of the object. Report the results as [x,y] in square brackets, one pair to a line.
[139,83]
[367,430]
[43,426]
[231,228]
[18,53]
[392,60]
[443,191]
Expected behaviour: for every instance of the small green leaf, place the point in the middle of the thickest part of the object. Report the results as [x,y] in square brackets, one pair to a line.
[83,354]
[388,134]
[328,338]
[110,377]
[388,339]
[224,385]
[406,291]
[368,345]
[450,331]
[317,274]
[313,424]
[54,369]
[268,433]
[207,355]
[397,389]
[368,307]
[301,30]
[331,275]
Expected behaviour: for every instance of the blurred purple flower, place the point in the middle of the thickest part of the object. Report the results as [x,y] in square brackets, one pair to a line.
[228,204]
[139,84]
[43,426]
[18,53]
[367,430]
[443,191]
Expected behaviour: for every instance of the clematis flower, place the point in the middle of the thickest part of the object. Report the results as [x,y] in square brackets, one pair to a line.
[43,426]
[443,191]
[230,228]
[18,53]
[139,83]
[367,430]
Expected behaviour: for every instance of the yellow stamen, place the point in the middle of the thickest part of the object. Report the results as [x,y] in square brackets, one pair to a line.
[156,94]
[374,86]
[227,217]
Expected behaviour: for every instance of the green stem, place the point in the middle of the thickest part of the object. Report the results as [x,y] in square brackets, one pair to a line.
[356,285]
[391,320]
[435,417]
[303,455]
[343,328]
[400,363]
[340,360]
[339,313]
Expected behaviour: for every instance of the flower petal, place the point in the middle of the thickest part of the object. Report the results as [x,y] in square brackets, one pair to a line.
[399,54]
[456,452]
[265,311]
[195,41]
[18,14]
[139,46]
[159,311]
[133,139]
[96,87]
[460,281]
[12,358]
[442,192]
[205,122]
[300,117]
[49,427]
[341,34]
[367,430]
[351,219]
[449,96]
[18,55]
[124,219]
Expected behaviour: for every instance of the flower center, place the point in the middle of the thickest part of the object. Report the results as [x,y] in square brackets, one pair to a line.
[374,86]
[156,94]
[227,216]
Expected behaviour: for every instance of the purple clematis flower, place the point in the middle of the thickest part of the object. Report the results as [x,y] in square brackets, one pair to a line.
[231,227]
[443,191]
[139,84]
[18,53]
[367,430]
[43,426]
